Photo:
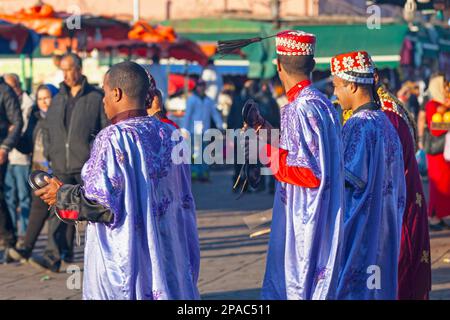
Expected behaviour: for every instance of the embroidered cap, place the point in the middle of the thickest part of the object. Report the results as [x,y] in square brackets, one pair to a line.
[295,43]
[356,66]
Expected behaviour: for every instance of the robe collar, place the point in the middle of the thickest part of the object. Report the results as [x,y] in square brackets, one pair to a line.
[296,89]
[128,114]
[367,106]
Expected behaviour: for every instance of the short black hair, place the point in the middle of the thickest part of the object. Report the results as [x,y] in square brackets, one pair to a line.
[369,87]
[131,78]
[297,65]
[76,59]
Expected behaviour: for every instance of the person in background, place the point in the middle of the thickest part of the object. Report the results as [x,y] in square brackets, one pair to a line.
[438,167]
[235,122]
[17,190]
[213,80]
[270,111]
[414,267]
[35,144]
[280,96]
[73,120]
[197,119]
[11,124]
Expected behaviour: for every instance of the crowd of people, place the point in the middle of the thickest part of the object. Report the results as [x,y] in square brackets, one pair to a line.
[348,194]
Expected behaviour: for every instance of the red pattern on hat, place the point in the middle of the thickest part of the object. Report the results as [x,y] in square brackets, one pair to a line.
[295,43]
[356,61]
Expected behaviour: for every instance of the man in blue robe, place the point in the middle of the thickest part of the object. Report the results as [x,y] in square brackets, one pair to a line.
[141,239]
[375,192]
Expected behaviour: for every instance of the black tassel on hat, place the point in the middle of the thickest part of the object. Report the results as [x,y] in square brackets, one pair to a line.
[231,46]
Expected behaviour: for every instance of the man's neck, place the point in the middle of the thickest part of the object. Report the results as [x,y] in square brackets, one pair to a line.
[75,89]
[292,81]
[128,113]
[362,100]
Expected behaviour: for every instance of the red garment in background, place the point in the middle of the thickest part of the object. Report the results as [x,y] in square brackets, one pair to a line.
[438,172]
[414,266]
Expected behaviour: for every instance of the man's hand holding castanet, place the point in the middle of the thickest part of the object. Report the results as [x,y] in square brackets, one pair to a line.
[49,193]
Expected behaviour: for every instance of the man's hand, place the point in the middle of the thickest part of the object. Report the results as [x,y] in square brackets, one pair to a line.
[49,193]
[3,156]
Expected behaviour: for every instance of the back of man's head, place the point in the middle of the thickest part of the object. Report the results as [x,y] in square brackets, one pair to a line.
[131,78]
[297,65]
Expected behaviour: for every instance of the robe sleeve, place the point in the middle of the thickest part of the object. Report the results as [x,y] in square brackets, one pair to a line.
[300,137]
[72,204]
[103,175]
[302,177]
[356,152]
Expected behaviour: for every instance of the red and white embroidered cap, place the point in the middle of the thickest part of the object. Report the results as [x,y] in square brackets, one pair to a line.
[295,43]
[356,66]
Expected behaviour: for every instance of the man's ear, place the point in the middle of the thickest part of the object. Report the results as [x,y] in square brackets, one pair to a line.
[278,65]
[353,87]
[118,94]
[313,65]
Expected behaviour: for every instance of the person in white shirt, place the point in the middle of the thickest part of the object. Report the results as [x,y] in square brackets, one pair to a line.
[200,109]
[213,79]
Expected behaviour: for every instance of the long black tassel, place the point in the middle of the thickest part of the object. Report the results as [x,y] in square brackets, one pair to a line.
[232,46]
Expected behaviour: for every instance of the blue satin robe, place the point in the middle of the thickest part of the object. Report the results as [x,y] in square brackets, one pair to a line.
[151,249]
[375,196]
[307,224]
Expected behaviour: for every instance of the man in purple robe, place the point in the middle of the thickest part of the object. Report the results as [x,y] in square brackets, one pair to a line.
[141,238]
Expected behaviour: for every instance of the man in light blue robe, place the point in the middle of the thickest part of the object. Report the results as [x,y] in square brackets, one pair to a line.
[141,239]
[303,259]
[375,192]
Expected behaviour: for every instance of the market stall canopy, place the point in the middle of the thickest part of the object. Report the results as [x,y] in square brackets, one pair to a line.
[383,44]
[145,40]
[17,39]
[62,30]
[44,20]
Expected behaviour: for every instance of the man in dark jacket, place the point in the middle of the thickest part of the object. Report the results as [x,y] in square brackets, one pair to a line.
[10,130]
[75,117]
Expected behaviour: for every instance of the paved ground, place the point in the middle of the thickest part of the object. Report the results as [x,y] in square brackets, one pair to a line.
[232,263]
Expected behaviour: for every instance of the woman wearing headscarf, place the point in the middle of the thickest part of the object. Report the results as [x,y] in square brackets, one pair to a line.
[438,167]
[39,210]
